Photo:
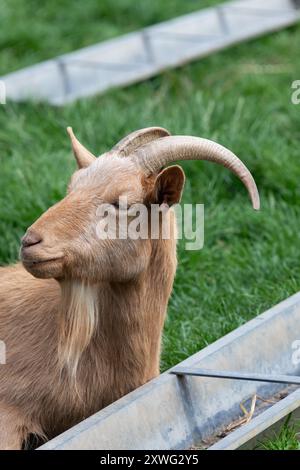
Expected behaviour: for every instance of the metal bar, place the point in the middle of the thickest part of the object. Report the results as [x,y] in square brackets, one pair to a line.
[218,374]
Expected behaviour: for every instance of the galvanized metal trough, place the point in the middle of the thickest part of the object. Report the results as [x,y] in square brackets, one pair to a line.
[184,407]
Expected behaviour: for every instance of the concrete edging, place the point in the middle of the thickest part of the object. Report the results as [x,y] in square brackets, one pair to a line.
[139,55]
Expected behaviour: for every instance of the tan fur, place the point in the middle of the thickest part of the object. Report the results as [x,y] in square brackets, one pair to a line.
[79,302]
[82,308]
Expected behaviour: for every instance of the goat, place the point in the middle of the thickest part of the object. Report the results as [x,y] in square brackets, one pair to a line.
[82,318]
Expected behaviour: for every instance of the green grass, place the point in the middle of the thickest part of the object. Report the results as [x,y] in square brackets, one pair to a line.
[250,260]
[288,438]
[31,30]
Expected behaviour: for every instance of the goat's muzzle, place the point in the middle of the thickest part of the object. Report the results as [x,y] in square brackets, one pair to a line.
[36,258]
[31,238]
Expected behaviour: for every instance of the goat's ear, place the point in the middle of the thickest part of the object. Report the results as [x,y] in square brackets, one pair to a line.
[169,185]
[83,156]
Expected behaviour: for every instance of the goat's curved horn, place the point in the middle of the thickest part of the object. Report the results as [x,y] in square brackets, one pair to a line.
[83,156]
[153,156]
[141,137]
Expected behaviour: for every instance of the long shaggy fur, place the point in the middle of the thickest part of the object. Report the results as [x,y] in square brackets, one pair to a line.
[78,321]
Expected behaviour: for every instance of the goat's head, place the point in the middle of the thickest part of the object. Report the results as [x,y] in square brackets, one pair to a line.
[63,242]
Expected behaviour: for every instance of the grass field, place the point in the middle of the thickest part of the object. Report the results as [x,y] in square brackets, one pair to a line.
[240,97]
[288,438]
[31,30]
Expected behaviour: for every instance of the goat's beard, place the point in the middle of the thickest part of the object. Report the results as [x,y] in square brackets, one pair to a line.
[78,322]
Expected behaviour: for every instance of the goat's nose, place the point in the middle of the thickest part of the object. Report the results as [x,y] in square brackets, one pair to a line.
[31,238]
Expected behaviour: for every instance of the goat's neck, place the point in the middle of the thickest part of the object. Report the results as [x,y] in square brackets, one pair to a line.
[126,318]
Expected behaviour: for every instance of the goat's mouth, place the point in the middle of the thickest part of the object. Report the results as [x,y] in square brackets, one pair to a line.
[39,262]
[44,268]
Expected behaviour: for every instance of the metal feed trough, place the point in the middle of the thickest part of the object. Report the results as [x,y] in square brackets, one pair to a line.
[196,400]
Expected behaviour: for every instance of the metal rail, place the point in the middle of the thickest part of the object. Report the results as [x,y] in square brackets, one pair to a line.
[227,374]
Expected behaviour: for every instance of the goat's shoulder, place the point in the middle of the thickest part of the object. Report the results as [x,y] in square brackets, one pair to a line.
[22,294]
